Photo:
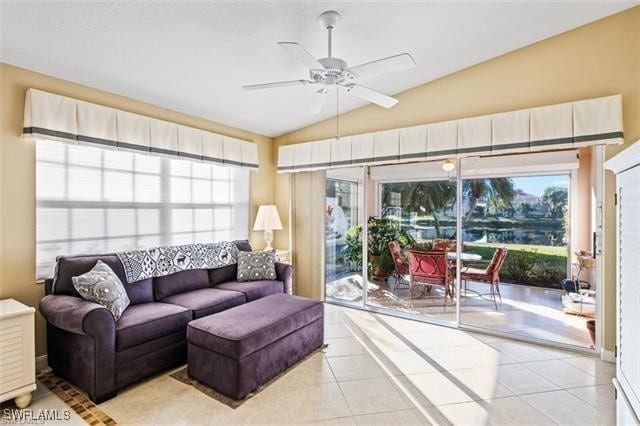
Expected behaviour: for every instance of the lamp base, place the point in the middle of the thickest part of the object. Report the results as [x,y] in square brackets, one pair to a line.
[268,239]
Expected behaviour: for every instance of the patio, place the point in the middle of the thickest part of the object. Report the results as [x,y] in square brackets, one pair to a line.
[525,310]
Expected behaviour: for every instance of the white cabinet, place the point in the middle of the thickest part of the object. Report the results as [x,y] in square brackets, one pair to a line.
[626,166]
[17,352]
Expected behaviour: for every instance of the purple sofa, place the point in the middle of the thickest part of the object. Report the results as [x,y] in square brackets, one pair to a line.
[87,347]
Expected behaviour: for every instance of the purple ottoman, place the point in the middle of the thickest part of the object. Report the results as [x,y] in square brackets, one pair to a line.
[237,350]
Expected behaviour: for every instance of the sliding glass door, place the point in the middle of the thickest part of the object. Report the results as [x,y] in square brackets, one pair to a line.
[344,215]
[521,243]
[411,215]
[516,269]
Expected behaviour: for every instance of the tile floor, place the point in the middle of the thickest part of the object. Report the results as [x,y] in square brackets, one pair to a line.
[386,370]
[43,403]
[525,310]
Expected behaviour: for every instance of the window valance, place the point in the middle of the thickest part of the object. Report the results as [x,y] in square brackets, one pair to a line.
[62,118]
[563,126]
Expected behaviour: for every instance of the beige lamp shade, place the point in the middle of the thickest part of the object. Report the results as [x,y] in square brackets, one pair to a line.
[267,219]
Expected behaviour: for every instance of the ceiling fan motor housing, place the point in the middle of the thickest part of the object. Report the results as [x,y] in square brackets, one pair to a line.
[335,71]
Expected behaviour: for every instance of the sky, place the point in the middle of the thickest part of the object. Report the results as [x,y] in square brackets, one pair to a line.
[536,184]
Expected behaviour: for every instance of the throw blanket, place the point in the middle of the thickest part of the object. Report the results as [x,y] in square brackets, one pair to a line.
[167,260]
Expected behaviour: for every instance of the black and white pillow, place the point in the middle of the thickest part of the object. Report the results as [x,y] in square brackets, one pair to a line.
[256,266]
[102,285]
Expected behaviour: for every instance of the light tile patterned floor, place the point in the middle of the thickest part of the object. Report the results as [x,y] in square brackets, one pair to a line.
[386,370]
[525,310]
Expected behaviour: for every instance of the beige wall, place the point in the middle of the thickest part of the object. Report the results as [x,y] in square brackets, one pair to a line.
[308,215]
[17,175]
[598,59]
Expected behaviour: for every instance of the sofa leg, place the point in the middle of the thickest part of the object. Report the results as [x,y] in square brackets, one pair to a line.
[104,397]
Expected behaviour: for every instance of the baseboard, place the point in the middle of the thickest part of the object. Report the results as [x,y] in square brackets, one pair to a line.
[608,356]
[41,362]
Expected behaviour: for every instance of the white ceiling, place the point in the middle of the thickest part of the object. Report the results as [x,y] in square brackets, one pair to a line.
[193,57]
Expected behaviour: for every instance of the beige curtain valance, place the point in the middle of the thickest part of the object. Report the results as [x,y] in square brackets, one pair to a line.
[569,125]
[58,117]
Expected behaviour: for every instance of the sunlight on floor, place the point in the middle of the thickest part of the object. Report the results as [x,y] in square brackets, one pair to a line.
[525,310]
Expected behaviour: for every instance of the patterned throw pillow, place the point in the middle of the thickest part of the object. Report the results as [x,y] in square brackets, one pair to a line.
[102,285]
[256,266]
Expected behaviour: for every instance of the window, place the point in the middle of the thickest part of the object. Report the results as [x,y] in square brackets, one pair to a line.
[93,200]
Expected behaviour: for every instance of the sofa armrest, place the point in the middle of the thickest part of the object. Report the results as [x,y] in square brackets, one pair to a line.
[284,272]
[77,315]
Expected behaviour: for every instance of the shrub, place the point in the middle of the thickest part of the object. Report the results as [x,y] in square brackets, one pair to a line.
[546,274]
[381,232]
[520,264]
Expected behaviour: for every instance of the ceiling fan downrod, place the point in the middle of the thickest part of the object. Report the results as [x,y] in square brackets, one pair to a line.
[328,20]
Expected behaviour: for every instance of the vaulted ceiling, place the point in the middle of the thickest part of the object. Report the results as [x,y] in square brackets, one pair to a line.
[193,57]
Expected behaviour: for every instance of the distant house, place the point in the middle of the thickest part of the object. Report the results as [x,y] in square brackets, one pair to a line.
[538,207]
[521,197]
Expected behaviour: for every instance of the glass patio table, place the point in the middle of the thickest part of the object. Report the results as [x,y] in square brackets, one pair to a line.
[465,257]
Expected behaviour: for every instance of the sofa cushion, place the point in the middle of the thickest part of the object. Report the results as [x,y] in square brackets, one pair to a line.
[229,272]
[148,321]
[180,282]
[243,245]
[73,266]
[102,286]
[245,329]
[206,301]
[223,274]
[256,266]
[255,289]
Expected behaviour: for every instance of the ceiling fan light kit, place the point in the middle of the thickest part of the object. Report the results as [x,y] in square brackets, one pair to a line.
[335,72]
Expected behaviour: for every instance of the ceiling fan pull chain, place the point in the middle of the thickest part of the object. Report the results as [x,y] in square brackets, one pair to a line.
[337,112]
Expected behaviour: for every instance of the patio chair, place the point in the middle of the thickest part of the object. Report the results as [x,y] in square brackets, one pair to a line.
[490,275]
[440,244]
[400,264]
[429,268]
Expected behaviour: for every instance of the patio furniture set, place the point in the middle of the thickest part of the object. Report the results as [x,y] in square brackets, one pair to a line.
[437,266]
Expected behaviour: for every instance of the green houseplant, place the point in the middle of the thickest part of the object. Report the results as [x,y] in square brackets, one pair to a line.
[381,232]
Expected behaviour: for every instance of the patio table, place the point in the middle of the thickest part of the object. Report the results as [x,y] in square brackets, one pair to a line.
[465,257]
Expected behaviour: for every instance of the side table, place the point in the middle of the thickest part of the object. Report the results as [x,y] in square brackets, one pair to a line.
[17,352]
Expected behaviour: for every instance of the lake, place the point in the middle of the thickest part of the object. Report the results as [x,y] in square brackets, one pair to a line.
[535,236]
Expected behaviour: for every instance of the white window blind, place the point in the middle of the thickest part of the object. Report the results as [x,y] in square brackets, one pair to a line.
[94,200]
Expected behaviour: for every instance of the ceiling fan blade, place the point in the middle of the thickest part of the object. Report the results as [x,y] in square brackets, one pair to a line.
[318,101]
[276,84]
[302,55]
[371,95]
[381,66]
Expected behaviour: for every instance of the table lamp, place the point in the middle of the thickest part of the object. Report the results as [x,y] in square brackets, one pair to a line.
[268,221]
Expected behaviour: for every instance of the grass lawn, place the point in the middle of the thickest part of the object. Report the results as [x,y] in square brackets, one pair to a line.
[541,266]
[546,250]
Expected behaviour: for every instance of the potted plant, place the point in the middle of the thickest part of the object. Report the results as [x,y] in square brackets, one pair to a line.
[381,232]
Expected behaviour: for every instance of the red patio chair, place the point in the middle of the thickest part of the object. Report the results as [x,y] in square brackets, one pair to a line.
[400,264]
[490,275]
[428,268]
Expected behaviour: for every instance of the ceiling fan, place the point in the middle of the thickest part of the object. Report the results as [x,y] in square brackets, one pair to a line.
[330,71]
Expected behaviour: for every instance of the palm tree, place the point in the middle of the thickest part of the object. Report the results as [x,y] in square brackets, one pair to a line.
[432,197]
[493,189]
[422,197]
